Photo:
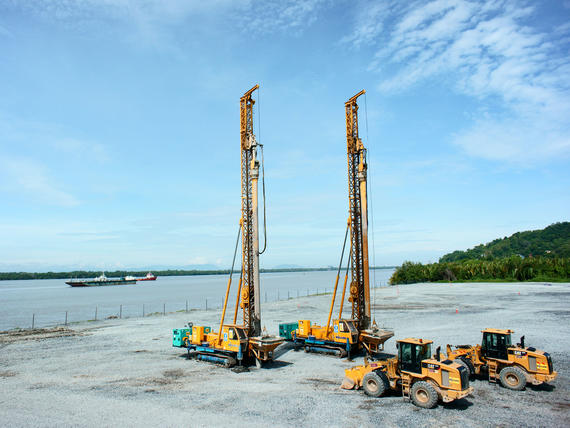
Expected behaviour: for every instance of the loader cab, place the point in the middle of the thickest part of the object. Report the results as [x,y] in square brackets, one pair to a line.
[411,353]
[495,343]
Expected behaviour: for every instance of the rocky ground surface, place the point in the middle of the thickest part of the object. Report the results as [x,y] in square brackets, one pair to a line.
[126,373]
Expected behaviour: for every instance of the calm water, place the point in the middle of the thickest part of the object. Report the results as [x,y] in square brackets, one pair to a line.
[49,299]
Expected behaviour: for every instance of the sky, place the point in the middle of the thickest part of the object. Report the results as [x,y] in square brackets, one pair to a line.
[119,127]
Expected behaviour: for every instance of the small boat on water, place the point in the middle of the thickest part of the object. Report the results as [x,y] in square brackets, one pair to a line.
[149,277]
[100,281]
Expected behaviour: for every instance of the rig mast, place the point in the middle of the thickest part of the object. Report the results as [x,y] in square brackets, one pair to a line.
[250,294]
[358,217]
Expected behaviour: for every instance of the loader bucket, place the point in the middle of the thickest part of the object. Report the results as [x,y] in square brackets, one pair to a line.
[348,383]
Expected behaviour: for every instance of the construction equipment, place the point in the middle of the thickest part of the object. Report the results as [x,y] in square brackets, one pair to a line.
[349,335]
[414,373]
[499,359]
[237,343]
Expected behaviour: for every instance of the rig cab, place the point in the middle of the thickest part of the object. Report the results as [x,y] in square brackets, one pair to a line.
[340,339]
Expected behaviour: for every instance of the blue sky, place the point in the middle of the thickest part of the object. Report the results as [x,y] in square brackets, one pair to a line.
[119,126]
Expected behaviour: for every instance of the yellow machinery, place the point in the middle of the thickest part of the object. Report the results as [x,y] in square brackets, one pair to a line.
[235,343]
[348,335]
[414,373]
[513,365]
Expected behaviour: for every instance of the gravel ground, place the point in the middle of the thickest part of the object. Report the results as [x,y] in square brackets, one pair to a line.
[126,373]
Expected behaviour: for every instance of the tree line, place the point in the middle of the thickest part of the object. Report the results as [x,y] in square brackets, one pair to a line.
[550,242]
[513,268]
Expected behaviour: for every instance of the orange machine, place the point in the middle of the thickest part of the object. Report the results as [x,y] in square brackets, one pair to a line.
[414,373]
[499,359]
[245,342]
[347,335]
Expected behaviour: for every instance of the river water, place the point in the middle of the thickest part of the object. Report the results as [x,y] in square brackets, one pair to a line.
[45,302]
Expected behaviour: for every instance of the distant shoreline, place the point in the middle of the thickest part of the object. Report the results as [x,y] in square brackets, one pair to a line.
[14,276]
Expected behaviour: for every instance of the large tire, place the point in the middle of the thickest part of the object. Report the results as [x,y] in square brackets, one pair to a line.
[424,395]
[513,378]
[375,384]
[469,365]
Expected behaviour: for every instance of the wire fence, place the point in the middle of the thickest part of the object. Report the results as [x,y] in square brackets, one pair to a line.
[99,312]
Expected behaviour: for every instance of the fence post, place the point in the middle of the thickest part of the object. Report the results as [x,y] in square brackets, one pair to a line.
[297,293]
[277,295]
[287,294]
[206,303]
[33,320]
[120,311]
[143,310]
[307,291]
[186,306]
[65,317]
[95,313]
[164,309]
[266,297]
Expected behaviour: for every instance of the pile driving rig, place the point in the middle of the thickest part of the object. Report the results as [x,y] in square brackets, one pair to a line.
[350,335]
[512,365]
[237,343]
[414,373]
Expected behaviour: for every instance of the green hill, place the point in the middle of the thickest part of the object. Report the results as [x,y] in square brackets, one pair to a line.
[552,242]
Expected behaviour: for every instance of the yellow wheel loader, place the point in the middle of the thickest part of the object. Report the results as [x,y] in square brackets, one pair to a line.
[513,365]
[414,373]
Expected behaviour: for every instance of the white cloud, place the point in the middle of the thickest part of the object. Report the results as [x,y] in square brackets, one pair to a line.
[490,51]
[269,16]
[82,149]
[150,17]
[31,179]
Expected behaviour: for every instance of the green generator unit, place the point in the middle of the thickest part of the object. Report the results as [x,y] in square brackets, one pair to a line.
[178,335]
[286,329]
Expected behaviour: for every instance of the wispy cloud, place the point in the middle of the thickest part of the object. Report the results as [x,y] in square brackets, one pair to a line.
[4,32]
[272,16]
[32,180]
[487,50]
[151,18]
[82,149]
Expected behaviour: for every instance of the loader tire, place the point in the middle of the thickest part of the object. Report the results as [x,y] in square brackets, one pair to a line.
[375,384]
[424,395]
[513,378]
[469,365]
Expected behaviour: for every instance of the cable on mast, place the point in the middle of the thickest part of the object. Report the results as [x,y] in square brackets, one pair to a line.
[264,207]
[369,193]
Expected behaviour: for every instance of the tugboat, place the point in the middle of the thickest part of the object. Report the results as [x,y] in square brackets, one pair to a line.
[149,277]
[100,281]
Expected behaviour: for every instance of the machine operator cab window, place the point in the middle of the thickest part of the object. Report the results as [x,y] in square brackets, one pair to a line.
[495,345]
[411,355]
[235,333]
[232,335]
[347,327]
